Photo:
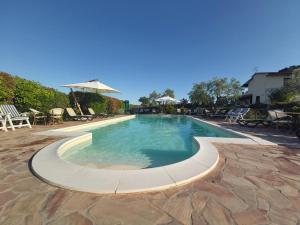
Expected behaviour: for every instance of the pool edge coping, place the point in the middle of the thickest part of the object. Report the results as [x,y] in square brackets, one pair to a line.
[61,173]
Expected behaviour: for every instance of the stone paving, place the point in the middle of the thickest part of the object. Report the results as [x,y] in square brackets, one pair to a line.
[252,184]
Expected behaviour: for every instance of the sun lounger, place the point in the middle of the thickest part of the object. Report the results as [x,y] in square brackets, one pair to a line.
[237,114]
[92,112]
[193,111]
[56,115]
[279,118]
[200,112]
[231,113]
[219,114]
[74,116]
[13,115]
[206,113]
[3,122]
[38,116]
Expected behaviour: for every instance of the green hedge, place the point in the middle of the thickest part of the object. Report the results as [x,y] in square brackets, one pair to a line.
[25,94]
[100,103]
[7,87]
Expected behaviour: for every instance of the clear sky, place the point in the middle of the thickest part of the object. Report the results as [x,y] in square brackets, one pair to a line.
[138,46]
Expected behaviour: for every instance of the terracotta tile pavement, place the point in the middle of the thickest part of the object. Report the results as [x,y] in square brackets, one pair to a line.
[252,184]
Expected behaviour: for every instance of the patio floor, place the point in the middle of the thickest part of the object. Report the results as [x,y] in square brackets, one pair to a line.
[253,184]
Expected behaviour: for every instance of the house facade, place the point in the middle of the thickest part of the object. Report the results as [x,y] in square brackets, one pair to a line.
[260,85]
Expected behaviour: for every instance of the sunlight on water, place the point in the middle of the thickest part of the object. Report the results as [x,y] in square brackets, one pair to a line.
[147,141]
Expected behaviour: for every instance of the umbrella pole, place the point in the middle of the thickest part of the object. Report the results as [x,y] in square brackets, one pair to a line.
[76,102]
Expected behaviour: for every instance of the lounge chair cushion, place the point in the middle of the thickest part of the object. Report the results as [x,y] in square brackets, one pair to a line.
[11,110]
[91,111]
[56,111]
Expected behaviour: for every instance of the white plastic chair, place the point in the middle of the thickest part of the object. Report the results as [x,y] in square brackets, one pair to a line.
[12,115]
[3,122]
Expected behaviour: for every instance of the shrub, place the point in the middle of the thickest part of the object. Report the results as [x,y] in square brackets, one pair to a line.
[281,95]
[170,109]
[86,99]
[7,87]
[100,103]
[115,106]
[25,94]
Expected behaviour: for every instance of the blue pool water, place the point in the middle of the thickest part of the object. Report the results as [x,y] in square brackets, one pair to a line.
[144,142]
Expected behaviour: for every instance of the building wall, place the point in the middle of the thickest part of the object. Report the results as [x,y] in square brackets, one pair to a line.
[261,85]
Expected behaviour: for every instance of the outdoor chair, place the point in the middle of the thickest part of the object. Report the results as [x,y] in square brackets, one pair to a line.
[219,114]
[232,112]
[200,112]
[71,113]
[206,113]
[12,115]
[237,114]
[197,110]
[92,112]
[279,118]
[194,111]
[38,116]
[3,122]
[56,115]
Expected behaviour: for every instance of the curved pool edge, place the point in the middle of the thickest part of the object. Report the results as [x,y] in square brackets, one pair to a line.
[49,167]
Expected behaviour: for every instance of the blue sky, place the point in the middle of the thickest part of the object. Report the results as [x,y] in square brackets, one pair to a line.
[138,46]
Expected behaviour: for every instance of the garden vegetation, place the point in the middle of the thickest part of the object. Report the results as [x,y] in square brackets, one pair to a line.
[25,94]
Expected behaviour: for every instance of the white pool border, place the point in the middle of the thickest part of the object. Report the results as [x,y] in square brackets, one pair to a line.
[50,167]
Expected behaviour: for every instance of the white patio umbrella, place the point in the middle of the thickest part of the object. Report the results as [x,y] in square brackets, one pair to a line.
[93,86]
[167,99]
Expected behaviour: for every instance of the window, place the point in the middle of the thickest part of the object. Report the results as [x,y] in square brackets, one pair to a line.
[257,100]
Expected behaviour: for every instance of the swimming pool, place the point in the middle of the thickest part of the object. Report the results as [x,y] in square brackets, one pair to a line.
[147,141]
[135,154]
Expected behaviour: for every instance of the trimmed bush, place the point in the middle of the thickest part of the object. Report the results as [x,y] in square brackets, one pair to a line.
[25,94]
[100,103]
[115,106]
[7,87]
[170,109]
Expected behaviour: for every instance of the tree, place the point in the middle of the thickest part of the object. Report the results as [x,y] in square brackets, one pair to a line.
[114,105]
[184,101]
[232,93]
[199,94]
[218,90]
[144,101]
[7,88]
[152,98]
[234,88]
[218,86]
[169,92]
[287,93]
[281,95]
